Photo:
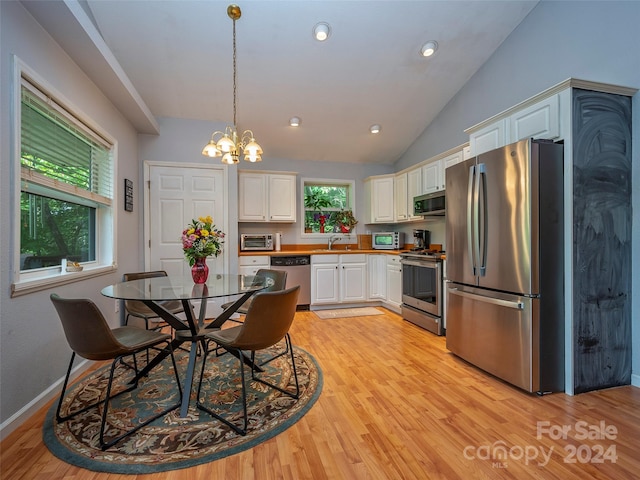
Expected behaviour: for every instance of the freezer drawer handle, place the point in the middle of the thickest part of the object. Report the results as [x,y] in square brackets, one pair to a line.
[482,298]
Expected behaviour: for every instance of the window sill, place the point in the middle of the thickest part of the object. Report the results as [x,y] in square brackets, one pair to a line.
[31,285]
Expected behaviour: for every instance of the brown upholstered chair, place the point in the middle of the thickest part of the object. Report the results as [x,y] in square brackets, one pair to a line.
[275,280]
[267,322]
[90,337]
[136,308]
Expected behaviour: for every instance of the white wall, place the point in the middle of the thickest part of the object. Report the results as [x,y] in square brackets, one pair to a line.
[33,351]
[595,41]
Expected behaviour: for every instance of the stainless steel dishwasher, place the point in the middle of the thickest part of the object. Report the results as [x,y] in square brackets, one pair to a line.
[298,268]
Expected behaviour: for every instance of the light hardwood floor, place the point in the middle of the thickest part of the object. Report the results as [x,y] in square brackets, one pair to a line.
[397,405]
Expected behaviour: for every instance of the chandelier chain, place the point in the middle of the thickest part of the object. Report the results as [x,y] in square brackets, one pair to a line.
[229,143]
[235,75]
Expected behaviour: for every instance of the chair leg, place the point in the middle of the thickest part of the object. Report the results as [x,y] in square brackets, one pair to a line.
[104,445]
[278,355]
[61,418]
[235,428]
[295,373]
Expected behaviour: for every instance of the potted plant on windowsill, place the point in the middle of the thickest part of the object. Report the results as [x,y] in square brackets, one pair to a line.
[316,201]
[346,220]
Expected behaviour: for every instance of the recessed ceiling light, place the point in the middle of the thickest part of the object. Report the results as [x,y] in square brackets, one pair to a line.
[429,48]
[295,121]
[321,31]
[375,128]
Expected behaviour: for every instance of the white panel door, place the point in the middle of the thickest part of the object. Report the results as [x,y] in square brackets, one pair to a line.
[176,196]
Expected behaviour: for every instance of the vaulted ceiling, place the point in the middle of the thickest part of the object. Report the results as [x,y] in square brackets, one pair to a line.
[178,56]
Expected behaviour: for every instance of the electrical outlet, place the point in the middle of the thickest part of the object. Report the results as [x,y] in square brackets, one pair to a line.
[117,306]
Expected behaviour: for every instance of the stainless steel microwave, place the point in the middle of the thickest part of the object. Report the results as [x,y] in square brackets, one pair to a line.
[256,241]
[430,204]
[387,240]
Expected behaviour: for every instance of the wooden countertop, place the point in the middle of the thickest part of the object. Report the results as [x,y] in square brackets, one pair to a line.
[319,249]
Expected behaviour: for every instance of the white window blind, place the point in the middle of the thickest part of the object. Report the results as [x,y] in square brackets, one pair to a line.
[61,155]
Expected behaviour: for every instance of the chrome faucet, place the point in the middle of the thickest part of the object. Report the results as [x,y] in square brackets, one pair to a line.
[333,239]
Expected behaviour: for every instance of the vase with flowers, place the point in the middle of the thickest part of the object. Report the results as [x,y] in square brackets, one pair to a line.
[201,239]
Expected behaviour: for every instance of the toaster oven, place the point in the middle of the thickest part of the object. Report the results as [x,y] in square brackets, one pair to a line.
[256,241]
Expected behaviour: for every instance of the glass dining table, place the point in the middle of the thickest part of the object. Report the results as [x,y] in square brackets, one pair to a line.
[193,328]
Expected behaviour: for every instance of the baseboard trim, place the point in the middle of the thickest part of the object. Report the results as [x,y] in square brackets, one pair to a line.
[14,421]
[635,380]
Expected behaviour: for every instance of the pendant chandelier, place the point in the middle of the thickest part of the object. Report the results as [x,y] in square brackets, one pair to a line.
[228,143]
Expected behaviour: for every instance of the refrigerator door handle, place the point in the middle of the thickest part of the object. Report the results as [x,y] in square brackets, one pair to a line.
[481,206]
[476,222]
[470,210]
[482,298]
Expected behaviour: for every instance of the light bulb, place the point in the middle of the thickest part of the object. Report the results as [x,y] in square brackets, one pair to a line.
[321,31]
[429,48]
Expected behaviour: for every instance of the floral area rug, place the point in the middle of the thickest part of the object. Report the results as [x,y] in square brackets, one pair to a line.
[171,442]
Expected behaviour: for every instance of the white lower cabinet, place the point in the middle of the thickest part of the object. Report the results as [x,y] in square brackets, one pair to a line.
[249,265]
[394,281]
[338,278]
[324,279]
[377,272]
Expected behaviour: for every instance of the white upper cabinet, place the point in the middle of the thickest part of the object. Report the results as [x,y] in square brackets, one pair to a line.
[252,197]
[537,117]
[451,160]
[540,120]
[282,198]
[433,177]
[400,192]
[390,198]
[414,188]
[266,197]
[466,153]
[380,199]
[488,138]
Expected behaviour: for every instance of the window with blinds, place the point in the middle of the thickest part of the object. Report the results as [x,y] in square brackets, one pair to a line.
[66,172]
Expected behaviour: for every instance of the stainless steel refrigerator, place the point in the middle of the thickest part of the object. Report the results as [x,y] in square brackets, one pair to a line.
[504,231]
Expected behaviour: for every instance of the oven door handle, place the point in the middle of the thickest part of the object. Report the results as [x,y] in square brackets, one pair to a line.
[482,298]
[433,266]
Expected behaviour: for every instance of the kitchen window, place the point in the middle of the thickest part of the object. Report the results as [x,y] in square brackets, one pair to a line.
[322,200]
[66,171]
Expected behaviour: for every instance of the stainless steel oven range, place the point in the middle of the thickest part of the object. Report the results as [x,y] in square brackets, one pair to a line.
[422,290]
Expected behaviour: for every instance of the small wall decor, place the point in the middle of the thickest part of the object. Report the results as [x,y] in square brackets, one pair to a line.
[128,195]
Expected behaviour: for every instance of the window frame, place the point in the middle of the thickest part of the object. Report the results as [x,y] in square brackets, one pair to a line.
[24,282]
[351,203]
